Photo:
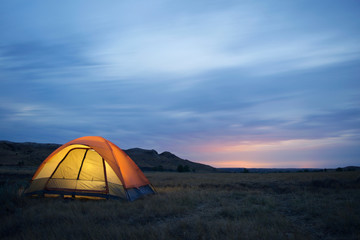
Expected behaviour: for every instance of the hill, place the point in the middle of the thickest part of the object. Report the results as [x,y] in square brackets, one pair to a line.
[151,160]
[32,154]
[28,153]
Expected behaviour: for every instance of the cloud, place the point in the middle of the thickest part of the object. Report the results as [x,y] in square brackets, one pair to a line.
[245,78]
[189,44]
[221,40]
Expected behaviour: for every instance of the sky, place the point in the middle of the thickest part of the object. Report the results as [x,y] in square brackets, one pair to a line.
[256,84]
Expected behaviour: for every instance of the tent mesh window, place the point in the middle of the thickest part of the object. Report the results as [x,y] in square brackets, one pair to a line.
[82,170]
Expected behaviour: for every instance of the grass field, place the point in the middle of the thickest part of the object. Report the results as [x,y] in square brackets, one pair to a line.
[322,205]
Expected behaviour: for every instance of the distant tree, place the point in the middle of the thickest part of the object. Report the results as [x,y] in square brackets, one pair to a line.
[350,169]
[184,168]
[246,170]
[159,168]
[20,163]
[339,169]
[180,168]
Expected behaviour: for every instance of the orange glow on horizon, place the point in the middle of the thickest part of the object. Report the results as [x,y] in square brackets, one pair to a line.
[247,146]
[256,164]
[293,153]
[240,164]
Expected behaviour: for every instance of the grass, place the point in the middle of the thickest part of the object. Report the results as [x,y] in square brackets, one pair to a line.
[324,205]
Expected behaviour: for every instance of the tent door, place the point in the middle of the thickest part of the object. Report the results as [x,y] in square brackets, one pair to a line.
[82,170]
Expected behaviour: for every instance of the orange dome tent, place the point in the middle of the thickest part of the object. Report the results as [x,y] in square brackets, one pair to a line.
[92,167]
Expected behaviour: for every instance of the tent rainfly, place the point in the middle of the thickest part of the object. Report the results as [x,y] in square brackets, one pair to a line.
[91,167]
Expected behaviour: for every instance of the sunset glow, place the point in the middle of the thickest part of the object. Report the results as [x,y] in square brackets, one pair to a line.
[294,144]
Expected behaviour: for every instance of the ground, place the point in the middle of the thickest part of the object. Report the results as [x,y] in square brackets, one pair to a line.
[307,205]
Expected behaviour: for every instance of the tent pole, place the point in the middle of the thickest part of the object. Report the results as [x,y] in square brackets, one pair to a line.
[106,182]
[82,164]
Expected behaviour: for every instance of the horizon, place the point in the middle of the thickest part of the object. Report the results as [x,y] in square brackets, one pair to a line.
[238,167]
[224,83]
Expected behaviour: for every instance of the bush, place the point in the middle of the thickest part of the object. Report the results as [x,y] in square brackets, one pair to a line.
[182,168]
[159,168]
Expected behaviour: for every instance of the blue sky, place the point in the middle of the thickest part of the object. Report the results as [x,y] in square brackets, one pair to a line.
[225,83]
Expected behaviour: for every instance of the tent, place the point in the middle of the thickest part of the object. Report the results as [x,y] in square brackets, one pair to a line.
[89,167]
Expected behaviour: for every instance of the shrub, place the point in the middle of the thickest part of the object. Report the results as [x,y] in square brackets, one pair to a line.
[159,168]
[182,168]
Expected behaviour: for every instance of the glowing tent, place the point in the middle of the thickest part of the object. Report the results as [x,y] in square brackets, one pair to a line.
[92,167]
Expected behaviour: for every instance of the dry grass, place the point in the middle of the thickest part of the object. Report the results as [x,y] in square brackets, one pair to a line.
[196,206]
